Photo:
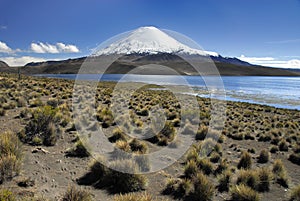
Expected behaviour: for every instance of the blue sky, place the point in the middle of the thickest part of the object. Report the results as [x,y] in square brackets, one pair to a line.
[259,31]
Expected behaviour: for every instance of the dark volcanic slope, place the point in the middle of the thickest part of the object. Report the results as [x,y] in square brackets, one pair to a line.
[226,66]
[3,64]
[5,68]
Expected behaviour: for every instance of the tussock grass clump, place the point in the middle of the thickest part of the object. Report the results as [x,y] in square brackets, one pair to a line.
[243,193]
[135,197]
[79,150]
[185,186]
[201,133]
[2,112]
[295,158]
[283,145]
[206,166]
[214,157]
[193,154]
[7,195]
[274,149]
[123,182]
[42,125]
[75,194]
[171,186]
[10,155]
[36,102]
[280,173]
[295,194]
[115,180]
[138,146]
[245,161]
[203,188]
[168,131]
[249,178]
[265,177]
[118,134]
[190,169]
[224,181]
[264,156]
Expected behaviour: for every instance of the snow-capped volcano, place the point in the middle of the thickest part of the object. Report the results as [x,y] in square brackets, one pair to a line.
[150,40]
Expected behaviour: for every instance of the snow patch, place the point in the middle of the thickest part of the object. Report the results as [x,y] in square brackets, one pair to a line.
[150,40]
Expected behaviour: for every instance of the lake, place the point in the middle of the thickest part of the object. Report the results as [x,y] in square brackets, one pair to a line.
[282,92]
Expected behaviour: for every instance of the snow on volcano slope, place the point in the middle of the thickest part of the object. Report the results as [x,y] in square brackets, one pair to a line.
[150,40]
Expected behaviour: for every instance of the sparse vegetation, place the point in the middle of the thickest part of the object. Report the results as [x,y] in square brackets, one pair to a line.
[245,161]
[42,125]
[42,110]
[295,193]
[76,194]
[203,188]
[264,156]
[10,155]
[244,193]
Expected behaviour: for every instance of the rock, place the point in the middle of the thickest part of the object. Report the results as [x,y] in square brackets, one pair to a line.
[39,150]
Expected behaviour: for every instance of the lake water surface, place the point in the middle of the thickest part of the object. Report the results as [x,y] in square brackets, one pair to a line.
[283,92]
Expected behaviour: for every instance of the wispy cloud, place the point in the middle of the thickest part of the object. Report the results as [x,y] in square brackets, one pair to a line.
[3,27]
[284,41]
[53,49]
[271,62]
[20,61]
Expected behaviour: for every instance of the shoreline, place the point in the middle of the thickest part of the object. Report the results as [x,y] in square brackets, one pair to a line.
[229,95]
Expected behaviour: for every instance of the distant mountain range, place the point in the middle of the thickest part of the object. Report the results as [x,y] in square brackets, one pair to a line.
[149,45]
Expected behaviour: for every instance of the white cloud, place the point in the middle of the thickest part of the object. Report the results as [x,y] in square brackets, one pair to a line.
[67,48]
[271,62]
[20,61]
[3,27]
[53,49]
[4,48]
[43,48]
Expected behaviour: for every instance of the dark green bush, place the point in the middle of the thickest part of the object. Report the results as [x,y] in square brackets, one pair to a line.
[42,125]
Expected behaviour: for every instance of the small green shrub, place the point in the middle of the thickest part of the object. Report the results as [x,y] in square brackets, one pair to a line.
[7,195]
[42,125]
[243,193]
